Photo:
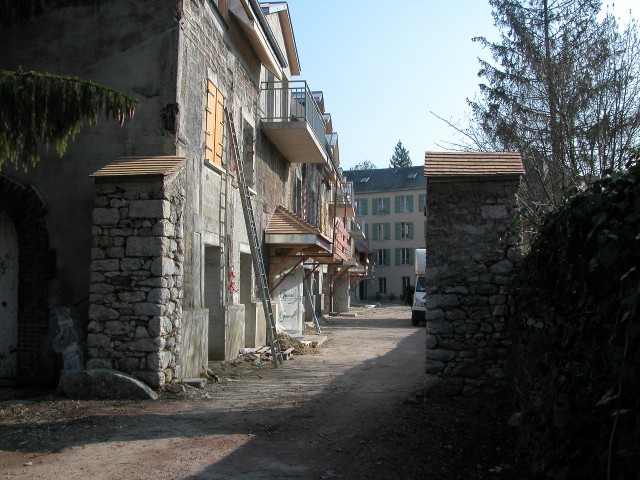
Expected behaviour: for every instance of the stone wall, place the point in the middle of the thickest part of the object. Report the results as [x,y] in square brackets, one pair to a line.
[470,258]
[135,310]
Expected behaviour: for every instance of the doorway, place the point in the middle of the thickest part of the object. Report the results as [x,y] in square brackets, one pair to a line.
[8,298]
[214,301]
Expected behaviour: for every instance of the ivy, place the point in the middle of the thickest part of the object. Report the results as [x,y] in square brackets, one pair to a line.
[578,355]
[49,110]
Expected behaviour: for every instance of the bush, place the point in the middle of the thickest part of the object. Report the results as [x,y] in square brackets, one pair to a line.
[391,297]
[577,335]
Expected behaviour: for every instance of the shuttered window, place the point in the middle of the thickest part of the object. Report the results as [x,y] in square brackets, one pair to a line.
[361,207]
[214,132]
[404,256]
[404,230]
[422,201]
[404,203]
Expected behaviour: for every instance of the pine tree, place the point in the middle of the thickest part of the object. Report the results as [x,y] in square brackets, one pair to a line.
[45,109]
[563,90]
[39,108]
[400,157]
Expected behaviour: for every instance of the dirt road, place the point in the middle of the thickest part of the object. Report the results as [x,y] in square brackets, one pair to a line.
[348,411]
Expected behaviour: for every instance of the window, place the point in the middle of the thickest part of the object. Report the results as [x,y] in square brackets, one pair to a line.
[381,231]
[404,230]
[361,207]
[422,200]
[382,285]
[382,257]
[404,256]
[381,206]
[406,281]
[364,179]
[214,130]
[404,203]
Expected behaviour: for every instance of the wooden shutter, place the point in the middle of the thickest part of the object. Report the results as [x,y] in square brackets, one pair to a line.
[387,231]
[375,231]
[364,207]
[398,230]
[214,131]
[398,204]
[412,254]
[410,232]
[398,256]
[410,203]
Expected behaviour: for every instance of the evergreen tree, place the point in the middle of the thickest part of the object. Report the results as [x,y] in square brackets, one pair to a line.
[400,157]
[45,109]
[563,90]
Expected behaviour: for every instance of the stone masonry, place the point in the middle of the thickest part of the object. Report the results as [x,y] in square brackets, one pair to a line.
[135,311]
[471,250]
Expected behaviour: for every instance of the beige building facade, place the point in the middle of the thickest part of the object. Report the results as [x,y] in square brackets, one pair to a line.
[389,203]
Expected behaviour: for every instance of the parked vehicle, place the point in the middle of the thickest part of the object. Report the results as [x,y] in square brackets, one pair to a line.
[418,306]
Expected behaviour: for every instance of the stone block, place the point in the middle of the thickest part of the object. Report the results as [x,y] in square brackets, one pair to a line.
[159,296]
[144,247]
[105,384]
[106,216]
[115,252]
[162,267]
[434,366]
[101,313]
[132,297]
[96,340]
[503,267]
[436,327]
[147,309]
[154,282]
[440,355]
[149,209]
[105,265]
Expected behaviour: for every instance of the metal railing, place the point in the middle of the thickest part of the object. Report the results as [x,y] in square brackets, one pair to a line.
[291,102]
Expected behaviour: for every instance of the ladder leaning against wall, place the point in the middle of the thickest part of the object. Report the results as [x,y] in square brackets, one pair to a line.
[254,242]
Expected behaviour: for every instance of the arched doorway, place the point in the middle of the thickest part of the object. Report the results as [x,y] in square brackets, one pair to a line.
[23,226]
[8,298]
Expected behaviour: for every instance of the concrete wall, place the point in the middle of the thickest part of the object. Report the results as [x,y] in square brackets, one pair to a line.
[471,251]
[194,342]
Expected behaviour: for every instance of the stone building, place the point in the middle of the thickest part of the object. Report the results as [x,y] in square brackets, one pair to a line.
[472,246]
[140,228]
[390,207]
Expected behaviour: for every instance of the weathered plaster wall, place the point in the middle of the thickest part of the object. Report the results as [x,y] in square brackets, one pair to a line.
[128,46]
[137,263]
[470,258]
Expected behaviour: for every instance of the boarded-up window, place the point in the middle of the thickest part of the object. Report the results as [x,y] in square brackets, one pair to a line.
[214,132]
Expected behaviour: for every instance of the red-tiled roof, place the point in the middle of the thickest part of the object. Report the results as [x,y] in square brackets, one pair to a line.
[284,221]
[140,166]
[456,164]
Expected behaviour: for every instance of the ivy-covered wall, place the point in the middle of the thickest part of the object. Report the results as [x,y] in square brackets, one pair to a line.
[577,355]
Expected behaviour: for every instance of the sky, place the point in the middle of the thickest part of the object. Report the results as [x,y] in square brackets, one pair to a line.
[386,68]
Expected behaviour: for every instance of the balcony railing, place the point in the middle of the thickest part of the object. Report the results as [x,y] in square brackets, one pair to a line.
[289,111]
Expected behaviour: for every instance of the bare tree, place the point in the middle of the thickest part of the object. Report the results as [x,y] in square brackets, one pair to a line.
[563,89]
[364,165]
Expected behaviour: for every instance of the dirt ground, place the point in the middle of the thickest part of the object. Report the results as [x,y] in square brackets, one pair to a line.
[350,409]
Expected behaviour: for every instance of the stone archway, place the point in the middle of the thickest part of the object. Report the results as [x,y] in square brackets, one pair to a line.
[26,209]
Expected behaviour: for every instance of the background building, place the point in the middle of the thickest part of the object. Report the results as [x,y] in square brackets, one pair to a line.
[389,203]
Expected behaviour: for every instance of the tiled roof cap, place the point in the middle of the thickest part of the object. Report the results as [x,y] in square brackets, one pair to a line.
[483,164]
[140,166]
[285,221]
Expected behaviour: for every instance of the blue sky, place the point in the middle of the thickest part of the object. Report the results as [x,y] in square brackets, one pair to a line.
[384,66]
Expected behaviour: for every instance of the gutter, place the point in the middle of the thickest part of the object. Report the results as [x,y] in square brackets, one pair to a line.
[255,5]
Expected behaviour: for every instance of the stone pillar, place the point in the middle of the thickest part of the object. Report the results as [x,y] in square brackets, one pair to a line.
[471,250]
[135,310]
